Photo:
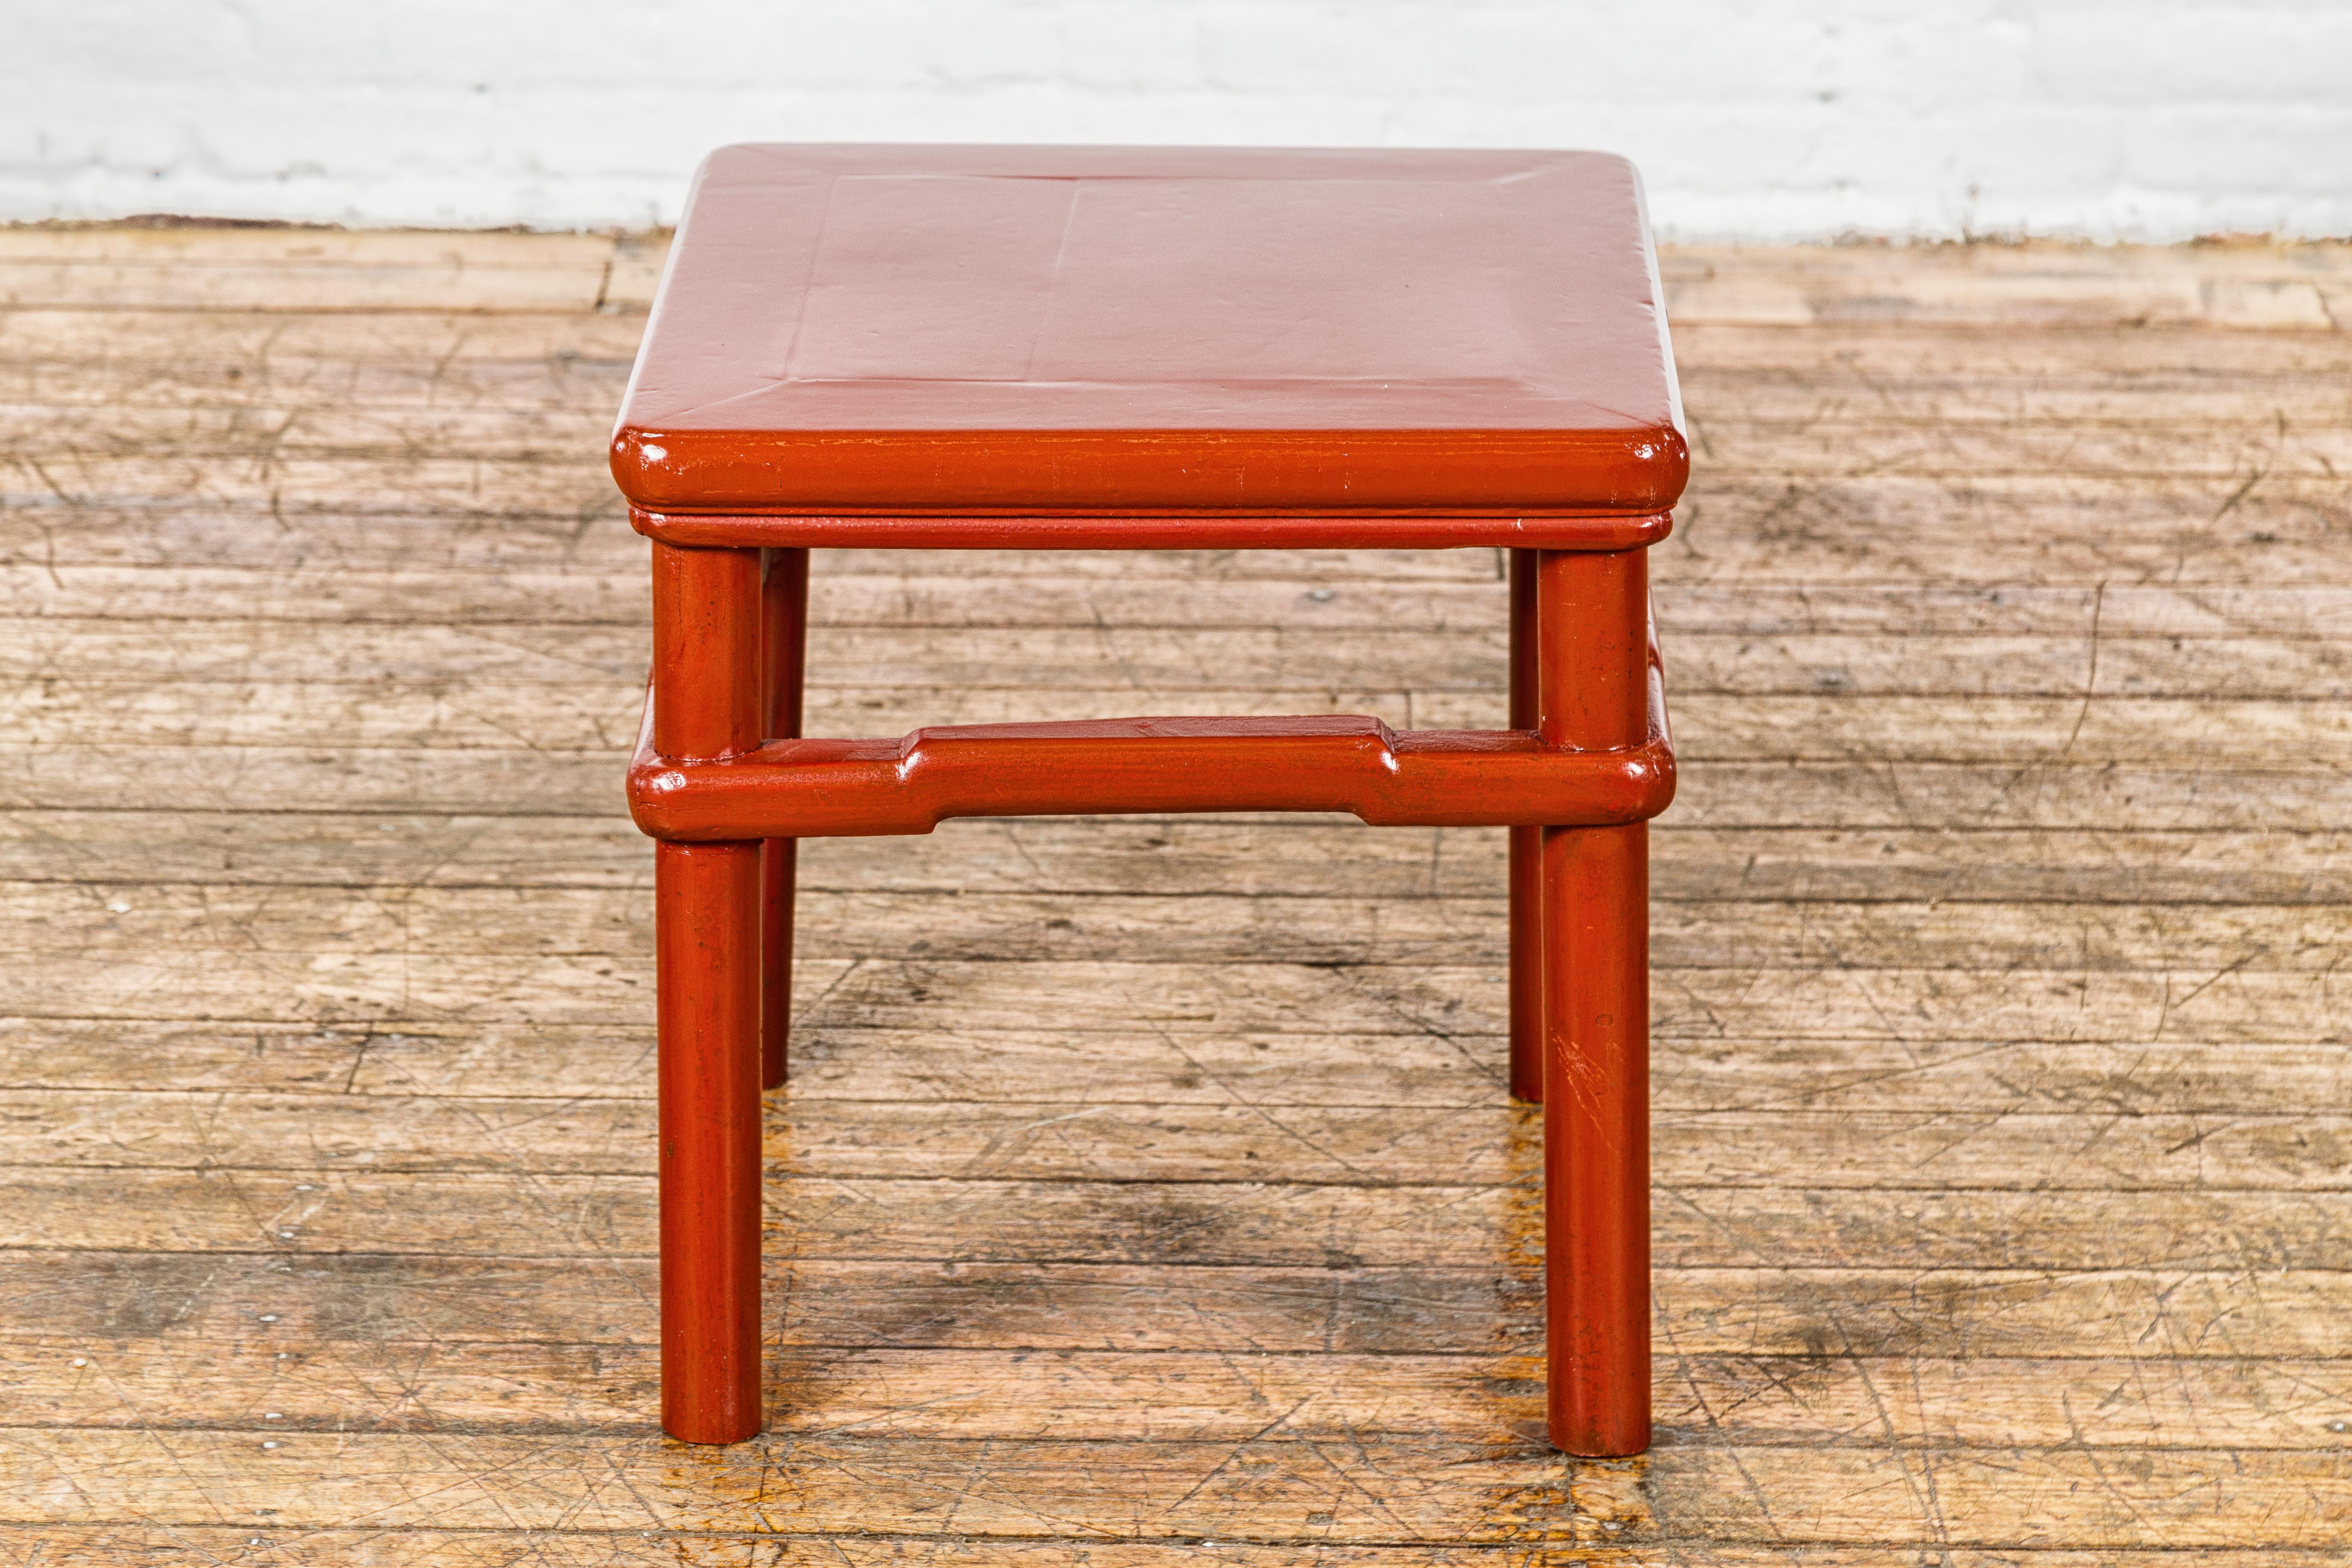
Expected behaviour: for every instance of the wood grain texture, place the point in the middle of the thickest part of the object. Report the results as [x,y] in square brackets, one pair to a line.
[392,1299]
[396,1548]
[2001,1010]
[2206,687]
[63,919]
[1046,1140]
[1302,859]
[2118,1080]
[1371,1491]
[1192,1396]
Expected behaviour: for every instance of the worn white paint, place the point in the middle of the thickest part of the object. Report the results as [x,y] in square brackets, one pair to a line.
[1761,120]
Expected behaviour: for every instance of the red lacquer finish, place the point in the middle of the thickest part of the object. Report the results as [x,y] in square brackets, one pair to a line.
[1527,854]
[707,916]
[960,329]
[1597,1139]
[783,659]
[1146,349]
[1454,778]
[1593,675]
[1175,529]
[706,652]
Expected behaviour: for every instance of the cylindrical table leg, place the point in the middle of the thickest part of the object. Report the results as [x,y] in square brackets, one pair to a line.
[1597,1138]
[707,692]
[778,867]
[1527,851]
[707,946]
[783,659]
[1593,628]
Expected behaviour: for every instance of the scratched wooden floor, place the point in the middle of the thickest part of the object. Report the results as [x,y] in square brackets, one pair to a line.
[1147,1193]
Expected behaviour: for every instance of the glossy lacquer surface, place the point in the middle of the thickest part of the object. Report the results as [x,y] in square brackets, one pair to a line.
[904,330]
[1087,348]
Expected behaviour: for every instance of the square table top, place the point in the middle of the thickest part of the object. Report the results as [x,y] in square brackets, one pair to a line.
[930,330]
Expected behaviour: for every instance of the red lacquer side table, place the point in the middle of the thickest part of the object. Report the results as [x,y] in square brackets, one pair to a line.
[945,348]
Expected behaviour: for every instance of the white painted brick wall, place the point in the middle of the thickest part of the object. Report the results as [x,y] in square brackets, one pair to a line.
[1751,119]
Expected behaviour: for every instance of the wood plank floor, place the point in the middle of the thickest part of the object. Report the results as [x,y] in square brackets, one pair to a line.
[1147,1193]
